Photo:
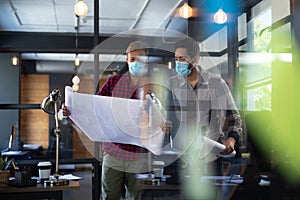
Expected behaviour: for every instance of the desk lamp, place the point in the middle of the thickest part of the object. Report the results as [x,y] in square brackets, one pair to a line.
[50,105]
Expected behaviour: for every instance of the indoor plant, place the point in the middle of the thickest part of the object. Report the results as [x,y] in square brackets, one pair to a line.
[4,172]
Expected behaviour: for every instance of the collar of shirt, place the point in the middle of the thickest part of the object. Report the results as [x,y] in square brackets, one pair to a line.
[201,81]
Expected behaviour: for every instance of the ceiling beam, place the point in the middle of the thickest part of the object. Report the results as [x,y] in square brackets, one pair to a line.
[30,42]
[45,42]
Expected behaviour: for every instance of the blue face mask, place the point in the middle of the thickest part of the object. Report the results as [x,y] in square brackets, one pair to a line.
[136,68]
[182,68]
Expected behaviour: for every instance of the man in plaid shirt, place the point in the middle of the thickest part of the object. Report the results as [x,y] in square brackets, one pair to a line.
[122,161]
[198,97]
[198,104]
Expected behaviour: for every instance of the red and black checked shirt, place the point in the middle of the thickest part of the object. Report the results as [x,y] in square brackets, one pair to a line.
[120,86]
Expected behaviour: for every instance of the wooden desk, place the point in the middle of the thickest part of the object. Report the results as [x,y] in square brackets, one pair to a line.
[37,192]
[222,189]
[96,170]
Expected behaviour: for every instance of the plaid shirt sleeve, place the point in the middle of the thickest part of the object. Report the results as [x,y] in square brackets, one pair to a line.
[222,99]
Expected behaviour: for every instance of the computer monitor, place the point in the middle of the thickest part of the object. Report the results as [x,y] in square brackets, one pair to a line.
[13,141]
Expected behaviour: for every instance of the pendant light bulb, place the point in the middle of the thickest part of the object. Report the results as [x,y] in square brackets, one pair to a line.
[220,17]
[14,61]
[75,80]
[80,8]
[76,61]
[185,11]
[75,87]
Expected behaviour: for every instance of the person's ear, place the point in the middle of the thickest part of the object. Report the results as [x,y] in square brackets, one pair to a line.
[196,60]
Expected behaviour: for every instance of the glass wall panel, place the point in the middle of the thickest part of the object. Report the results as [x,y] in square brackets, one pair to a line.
[216,42]
[255,65]
[217,65]
[280,9]
[242,27]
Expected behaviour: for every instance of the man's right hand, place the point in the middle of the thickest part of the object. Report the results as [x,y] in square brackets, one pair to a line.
[65,110]
[166,127]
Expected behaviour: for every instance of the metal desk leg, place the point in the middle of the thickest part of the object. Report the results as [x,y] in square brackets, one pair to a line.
[96,178]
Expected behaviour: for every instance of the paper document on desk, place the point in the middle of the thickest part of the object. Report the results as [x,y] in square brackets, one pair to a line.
[69,177]
[223,180]
[119,120]
[12,153]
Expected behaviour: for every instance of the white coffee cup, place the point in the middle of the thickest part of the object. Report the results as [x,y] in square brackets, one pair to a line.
[158,168]
[44,170]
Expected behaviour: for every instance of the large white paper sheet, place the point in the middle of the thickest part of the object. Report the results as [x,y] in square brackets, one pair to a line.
[111,119]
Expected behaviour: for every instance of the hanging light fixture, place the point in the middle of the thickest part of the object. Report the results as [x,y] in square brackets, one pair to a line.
[75,81]
[220,17]
[185,11]
[14,60]
[169,64]
[80,8]
[76,61]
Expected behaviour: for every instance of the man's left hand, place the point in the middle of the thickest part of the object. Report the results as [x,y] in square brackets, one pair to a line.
[229,144]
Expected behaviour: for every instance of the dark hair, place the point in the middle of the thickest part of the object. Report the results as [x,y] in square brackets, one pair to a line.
[191,46]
